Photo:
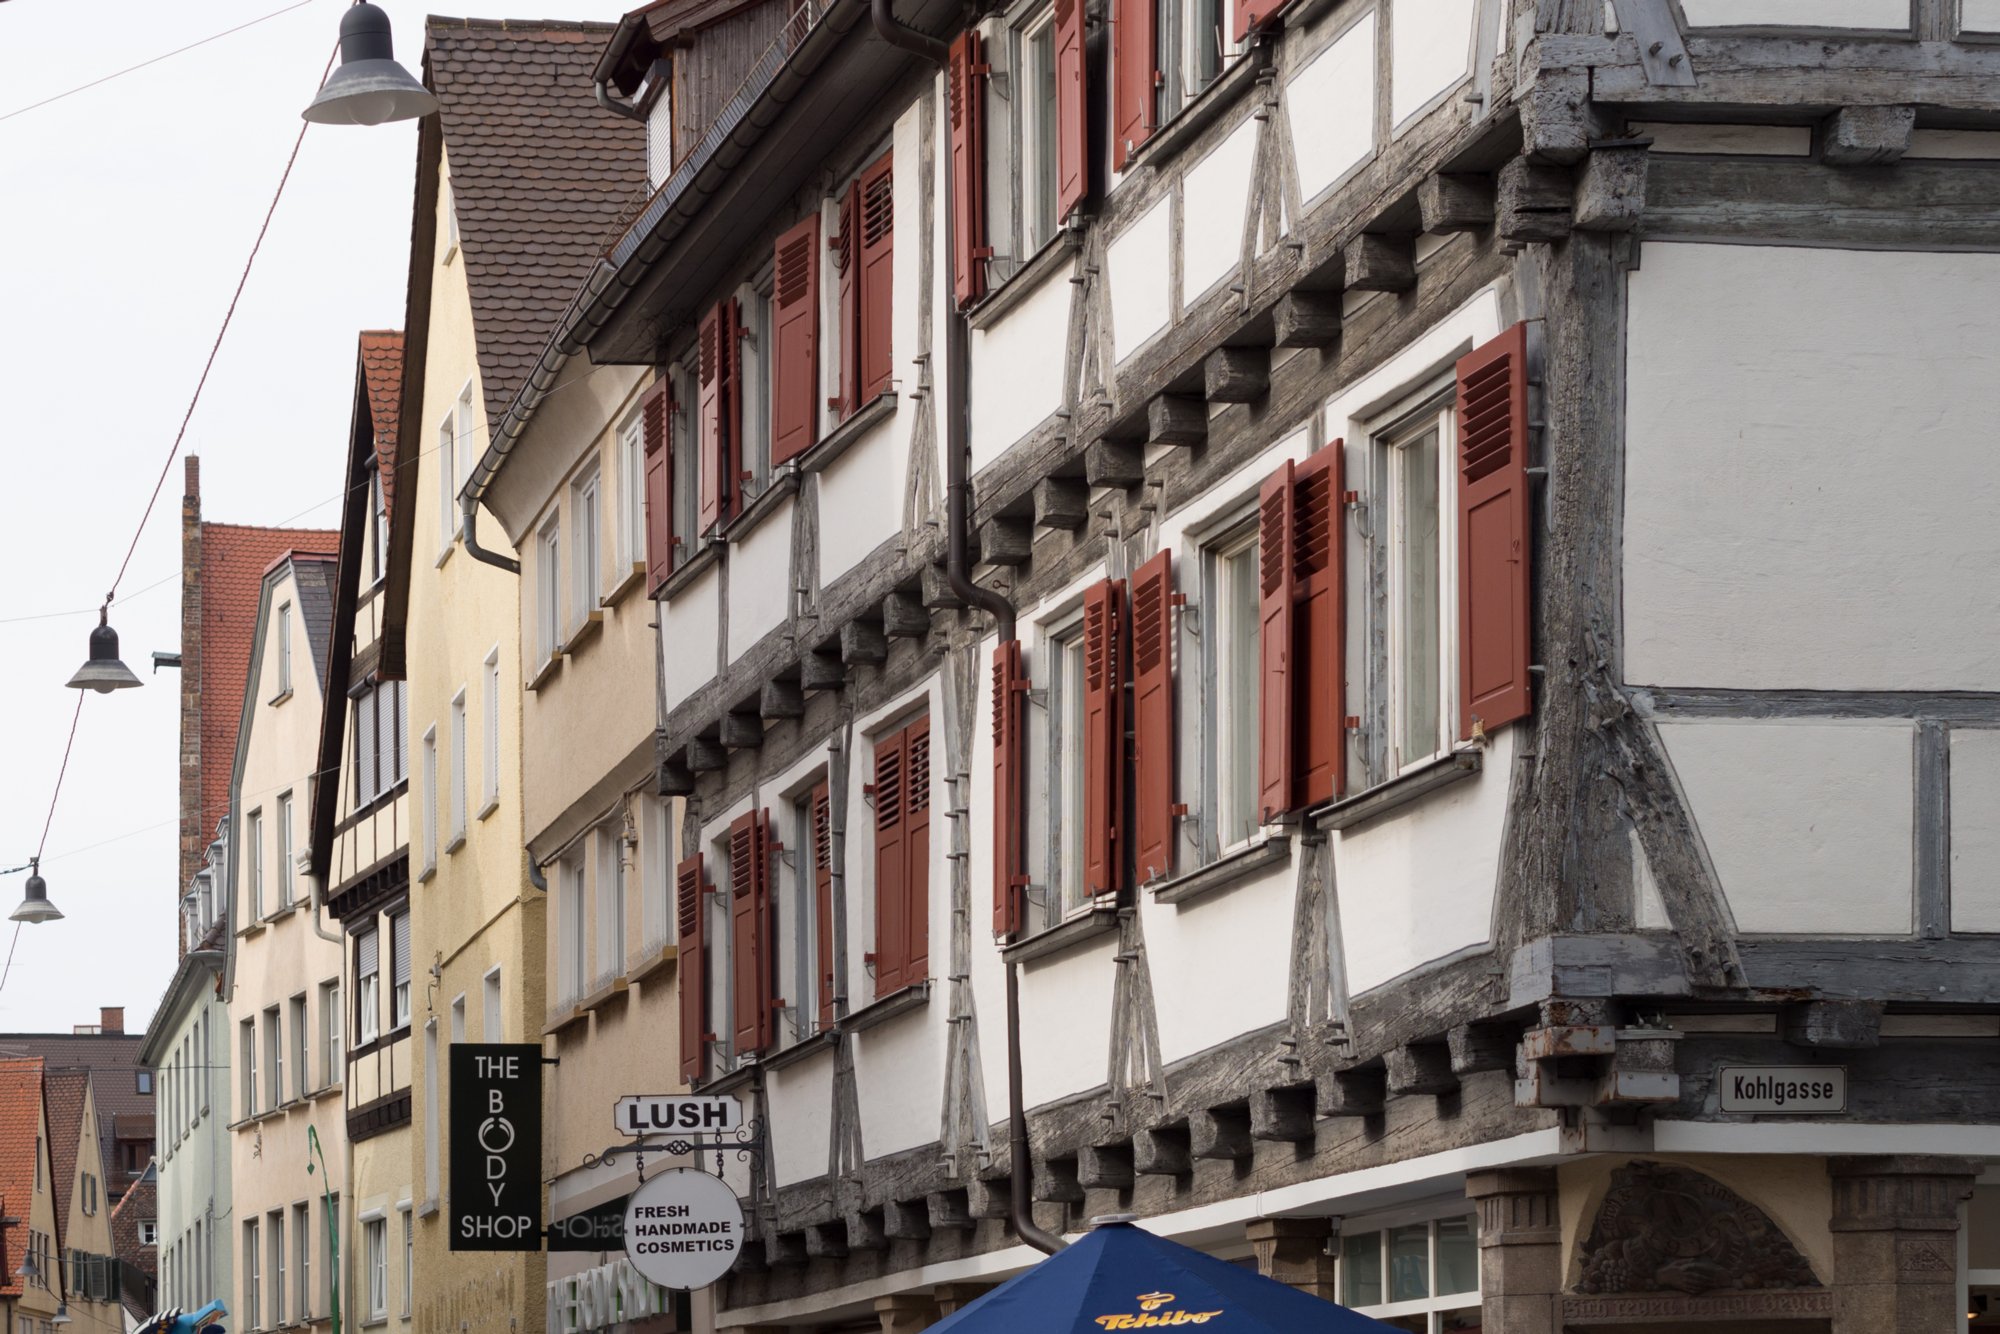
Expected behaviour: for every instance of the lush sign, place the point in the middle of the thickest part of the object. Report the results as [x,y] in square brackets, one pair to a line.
[496,1146]
[683,1228]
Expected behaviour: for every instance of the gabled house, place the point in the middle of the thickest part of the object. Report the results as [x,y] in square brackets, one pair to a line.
[33,1277]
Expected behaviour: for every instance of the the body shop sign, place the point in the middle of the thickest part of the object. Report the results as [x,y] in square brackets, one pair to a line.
[683,1229]
[496,1146]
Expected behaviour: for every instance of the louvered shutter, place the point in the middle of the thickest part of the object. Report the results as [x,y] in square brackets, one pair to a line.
[399,950]
[1010,769]
[1072,110]
[917,851]
[692,964]
[795,342]
[750,977]
[709,368]
[822,864]
[1153,717]
[1103,739]
[877,279]
[968,167]
[848,262]
[1135,74]
[367,957]
[1319,734]
[1249,14]
[890,865]
[1494,606]
[655,411]
[1274,692]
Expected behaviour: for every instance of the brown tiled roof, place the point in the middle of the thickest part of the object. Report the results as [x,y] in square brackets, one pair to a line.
[382,379]
[20,1133]
[540,176]
[66,1091]
[111,1060]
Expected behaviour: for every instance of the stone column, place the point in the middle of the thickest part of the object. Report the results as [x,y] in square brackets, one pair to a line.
[1895,1242]
[1520,1250]
[1293,1251]
[906,1312]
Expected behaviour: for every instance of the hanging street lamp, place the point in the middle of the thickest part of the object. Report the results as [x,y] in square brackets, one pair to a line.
[369,88]
[102,671]
[35,906]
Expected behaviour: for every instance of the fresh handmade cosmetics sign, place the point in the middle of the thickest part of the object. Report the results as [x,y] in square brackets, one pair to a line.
[1792,1090]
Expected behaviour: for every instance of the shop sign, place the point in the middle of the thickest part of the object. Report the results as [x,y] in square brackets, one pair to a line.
[496,1146]
[683,1228]
[598,1228]
[677,1113]
[611,1294]
[1793,1090]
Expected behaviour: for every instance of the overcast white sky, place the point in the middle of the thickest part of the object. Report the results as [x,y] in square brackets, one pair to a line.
[125,215]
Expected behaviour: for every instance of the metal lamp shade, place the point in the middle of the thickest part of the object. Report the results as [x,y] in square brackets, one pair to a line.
[35,907]
[61,1316]
[102,671]
[369,88]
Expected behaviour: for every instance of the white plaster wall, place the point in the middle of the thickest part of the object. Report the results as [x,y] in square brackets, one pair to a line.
[1331,102]
[760,580]
[1977,145]
[1236,942]
[1800,13]
[1430,49]
[861,494]
[1975,832]
[1017,368]
[899,1077]
[1417,885]
[1066,999]
[1810,484]
[800,1096]
[689,623]
[1138,264]
[1649,911]
[1808,823]
[1213,203]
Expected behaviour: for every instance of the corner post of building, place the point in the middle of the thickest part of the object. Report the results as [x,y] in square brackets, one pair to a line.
[905,1312]
[1895,1243]
[1520,1249]
[1294,1252]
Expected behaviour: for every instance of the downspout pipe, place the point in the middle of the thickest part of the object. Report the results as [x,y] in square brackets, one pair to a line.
[613,105]
[958,519]
[469,530]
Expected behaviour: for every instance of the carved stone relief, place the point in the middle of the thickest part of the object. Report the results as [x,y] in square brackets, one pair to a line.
[1663,1228]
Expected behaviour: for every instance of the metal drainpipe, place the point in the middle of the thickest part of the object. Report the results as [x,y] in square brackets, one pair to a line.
[613,105]
[469,530]
[958,504]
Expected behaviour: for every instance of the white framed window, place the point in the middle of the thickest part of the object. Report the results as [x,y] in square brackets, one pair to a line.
[431,802]
[489,750]
[457,723]
[302,1289]
[399,970]
[586,545]
[274,1058]
[252,1257]
[274,1224]
[491,1023]
[247,1054]
[686,455]
[571,916]
[548,591]
[798,914]
[301,1072]
[450,224]
[433,1100]
[330,1018]
[367,985]
[631,495]
[375,1243]
[471,441]
[378,529]
[458,1017]
[149,1232]
[284,638]
[285,854]
[657,913]
[254,830]
[1035,128]
[1420,1275]
[611,854]
[447,473]
[1229,632]
[753,302]
[409,1260]
[1059,766]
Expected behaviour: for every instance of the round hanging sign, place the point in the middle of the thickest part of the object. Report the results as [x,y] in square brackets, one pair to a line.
[683,1228]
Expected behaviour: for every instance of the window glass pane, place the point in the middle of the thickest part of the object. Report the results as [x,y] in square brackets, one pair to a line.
[1417,596]
[1237,660]
[1361,1269]
[1042,134]
[1204,55]
[1068,745]
[1457,1257]
[1409,1262]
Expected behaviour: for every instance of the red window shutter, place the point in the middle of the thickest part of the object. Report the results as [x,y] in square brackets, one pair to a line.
[1072,110]
[1249,14]
[693,973]
[1319,732]
[917,852]
[822,861]
[968,168]
[877,214]
[1103,739]
[795,342]
[1494,606]
[891,865]
[709,357]
[656,410]
[1153,716]
[1275,595]
[1010,770]
[849,264]
[748,988]
[1135,71]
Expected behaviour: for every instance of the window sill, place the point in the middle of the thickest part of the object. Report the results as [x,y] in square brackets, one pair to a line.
[1198,115]
[546,670]
[802,1048]
[583,632]
[445,554]
[835,442]
[1100,920]
[428,874]
[250,929]
[604,994]
[667,955]
[884,1008]
[1057,251]
[457,842]
[492,804]
[1225,871]
[783,485]
[569,1018]
[279,698]
[1399,791]
[633,578]
[689,570]
[427,1209]
[277,914]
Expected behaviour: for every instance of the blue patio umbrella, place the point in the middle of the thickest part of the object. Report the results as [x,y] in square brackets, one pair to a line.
[1119,1276]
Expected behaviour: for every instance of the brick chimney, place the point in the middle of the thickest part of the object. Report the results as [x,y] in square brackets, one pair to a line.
[111,1019]
[194,838]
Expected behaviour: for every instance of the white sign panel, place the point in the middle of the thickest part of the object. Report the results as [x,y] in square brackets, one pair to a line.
[1796,1090]
[683,1229]
[678,1113]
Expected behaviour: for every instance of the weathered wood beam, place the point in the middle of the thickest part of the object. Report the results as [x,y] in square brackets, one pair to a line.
[786,1248]
[1420,1067]
[1162,1152]
[1306,319]
[989,1197]
[865,1232]
[1352,1093]
[781,699]
[1107,463]
[1006,541]
[1105,1166]
[1477,1047]
[1869,136]
[1455,202]
[905,617]
[676,779]
[1380,263]
[819,670]
[1833,1023]
[906,1220]
[949,1210]
[742,731]
[862,643]
[1557,118]
[705,756]
[826,1241]
[1533,202]
[1062,502]
[1056,1181]
[938,594]
[1221,1133]
[1235,375]
[1176,419]
[1283,1115]
[1611,188]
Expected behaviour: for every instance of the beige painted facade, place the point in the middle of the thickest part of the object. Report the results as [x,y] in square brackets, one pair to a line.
[284,963]
[89,1229]
[477,918]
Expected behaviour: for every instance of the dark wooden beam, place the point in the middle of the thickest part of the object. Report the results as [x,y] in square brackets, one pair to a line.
[1611,188]
[1380,263]
[989,1197]
[862,643]
[705,756]
[819,670]
[1867,136]
[782,699]
[1477,1047]
[826,1241]
[1533,201]
[1176,419]
[1420,1067]
[1221,1133]
[1162,1152]
[676,779]
[905,617]
[1006,541]
[865,1232]
[1282,1115]
[1105,1166]
[1106,463]
[938,594]
[1062,502]
[949,1210]
[1454,202]
[1306,319]
[742,731]
[1056,1181]
[1833,1023]
[1352,1093]
[1235,375]
[785,1248]
[906,1220]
